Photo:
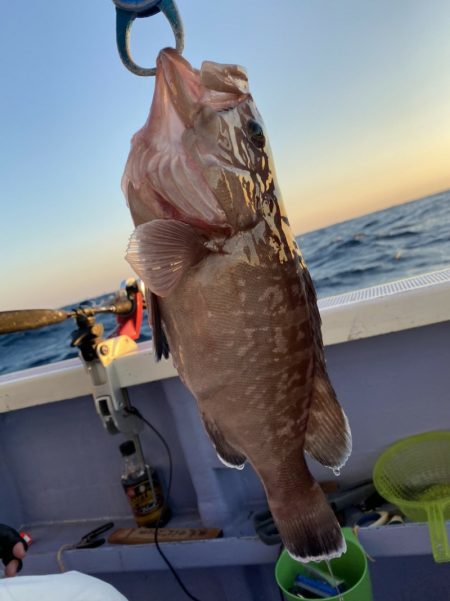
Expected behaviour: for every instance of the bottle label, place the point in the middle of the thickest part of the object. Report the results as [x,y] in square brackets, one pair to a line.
[141,496]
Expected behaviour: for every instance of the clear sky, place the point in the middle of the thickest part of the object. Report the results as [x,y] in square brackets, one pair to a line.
[355,95]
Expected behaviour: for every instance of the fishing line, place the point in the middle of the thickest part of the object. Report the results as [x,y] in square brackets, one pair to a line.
[137,413]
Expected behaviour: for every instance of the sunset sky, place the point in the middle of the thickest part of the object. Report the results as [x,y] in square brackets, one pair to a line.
[355,95]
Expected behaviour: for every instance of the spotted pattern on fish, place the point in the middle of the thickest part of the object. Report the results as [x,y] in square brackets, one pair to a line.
[241,320]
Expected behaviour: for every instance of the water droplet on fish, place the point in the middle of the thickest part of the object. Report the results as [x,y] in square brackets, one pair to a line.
[336,471]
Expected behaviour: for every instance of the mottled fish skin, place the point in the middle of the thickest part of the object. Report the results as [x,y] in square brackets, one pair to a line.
[240,311]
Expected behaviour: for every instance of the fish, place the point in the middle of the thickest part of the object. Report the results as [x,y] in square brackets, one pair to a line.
[230,296]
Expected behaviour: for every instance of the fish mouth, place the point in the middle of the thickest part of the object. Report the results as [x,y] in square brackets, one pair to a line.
[176,162]
[178,83]
[220,86]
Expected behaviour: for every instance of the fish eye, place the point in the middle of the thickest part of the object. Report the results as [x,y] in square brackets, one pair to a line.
[256,133]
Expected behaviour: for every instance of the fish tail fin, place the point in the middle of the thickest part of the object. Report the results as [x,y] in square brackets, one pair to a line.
[308,527]
[328,438]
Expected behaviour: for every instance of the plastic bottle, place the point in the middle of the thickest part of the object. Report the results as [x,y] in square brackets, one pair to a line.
[143,489]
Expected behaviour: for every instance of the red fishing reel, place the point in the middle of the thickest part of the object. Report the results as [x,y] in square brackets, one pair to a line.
[130,323]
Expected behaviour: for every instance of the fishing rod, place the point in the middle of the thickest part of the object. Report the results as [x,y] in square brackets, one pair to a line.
[97,353]
[31,319]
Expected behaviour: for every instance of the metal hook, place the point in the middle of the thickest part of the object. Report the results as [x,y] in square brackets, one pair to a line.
[127,11]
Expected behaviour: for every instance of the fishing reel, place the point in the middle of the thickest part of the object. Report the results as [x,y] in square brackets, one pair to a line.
[127,305]
[97,353]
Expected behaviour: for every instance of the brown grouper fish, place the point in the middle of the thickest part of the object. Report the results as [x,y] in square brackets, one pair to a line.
[230,294]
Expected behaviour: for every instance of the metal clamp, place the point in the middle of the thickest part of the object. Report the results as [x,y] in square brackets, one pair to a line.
[111,400]
[127,11]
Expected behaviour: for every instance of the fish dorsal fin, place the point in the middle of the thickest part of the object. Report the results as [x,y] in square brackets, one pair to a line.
[161,251]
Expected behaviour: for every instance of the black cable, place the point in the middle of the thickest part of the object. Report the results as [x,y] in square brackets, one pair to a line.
[137,413]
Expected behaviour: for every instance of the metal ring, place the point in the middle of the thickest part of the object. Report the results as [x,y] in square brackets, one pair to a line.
[124,21]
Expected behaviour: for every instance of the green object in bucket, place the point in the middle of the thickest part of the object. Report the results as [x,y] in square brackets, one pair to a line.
[414,474]
[351,567]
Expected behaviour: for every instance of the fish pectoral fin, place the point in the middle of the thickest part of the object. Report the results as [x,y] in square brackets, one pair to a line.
[328,438]
[162,250]
[160,344]
[226,453]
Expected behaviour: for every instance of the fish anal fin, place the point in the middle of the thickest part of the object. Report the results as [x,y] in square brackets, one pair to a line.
[160,344]
[328,438]
[162,250]
[226,453]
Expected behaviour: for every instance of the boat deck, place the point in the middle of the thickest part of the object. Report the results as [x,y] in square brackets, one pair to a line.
[59,468]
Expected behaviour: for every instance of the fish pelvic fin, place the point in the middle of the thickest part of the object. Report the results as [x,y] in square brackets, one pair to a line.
[226,453]
[162,250]
[308,527]
[328,438]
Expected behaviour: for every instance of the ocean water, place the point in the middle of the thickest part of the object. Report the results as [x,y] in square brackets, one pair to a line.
[380,247]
